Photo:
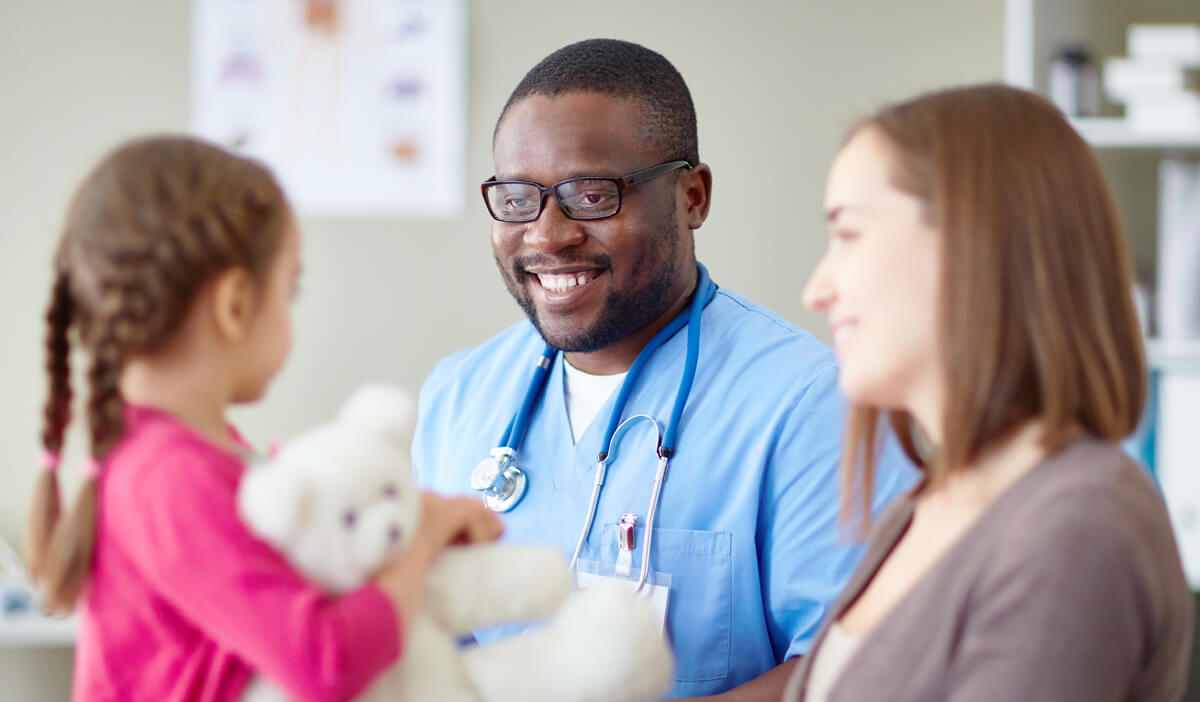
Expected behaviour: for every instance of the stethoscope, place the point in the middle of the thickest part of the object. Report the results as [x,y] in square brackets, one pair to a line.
[503,484]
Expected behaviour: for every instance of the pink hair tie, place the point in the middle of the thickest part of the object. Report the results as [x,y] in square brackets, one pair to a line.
[91,469]
[50,460]
[274,447]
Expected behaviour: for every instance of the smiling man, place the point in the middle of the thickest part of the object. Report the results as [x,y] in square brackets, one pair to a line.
[597,191]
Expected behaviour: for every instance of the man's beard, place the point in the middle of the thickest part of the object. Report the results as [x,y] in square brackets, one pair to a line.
[625,312]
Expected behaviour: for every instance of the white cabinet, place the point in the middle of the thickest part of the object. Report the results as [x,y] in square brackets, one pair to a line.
[36,631]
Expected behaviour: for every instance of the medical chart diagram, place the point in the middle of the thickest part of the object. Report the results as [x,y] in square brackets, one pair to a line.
[357,105]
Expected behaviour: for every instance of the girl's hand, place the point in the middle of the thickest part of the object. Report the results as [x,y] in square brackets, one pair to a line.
[444,521]
[456,520]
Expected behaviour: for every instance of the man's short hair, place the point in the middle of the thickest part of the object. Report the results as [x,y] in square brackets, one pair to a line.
[621,69]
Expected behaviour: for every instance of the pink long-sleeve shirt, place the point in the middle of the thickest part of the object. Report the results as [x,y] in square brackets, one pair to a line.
[184,603]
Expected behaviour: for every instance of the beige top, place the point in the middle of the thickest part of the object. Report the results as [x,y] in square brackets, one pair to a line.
[1068,588]
[837,649]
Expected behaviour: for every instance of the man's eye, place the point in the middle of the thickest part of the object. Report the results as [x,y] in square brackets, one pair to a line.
[592,199]
[516,203]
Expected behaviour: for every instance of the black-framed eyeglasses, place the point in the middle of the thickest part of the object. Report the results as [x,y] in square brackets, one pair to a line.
[585,197]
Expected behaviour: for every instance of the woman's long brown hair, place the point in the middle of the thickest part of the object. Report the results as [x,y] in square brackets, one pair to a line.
[1037,317]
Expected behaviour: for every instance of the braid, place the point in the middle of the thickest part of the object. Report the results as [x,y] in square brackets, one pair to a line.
[58,365]
[104,409]
[47,503]
[70,554]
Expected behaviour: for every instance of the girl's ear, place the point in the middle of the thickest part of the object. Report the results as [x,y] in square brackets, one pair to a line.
[231,300]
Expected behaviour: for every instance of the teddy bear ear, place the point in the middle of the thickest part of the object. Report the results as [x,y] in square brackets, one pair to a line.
[273,502]
[384,410]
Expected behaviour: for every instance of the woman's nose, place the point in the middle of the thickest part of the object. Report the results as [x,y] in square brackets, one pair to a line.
[818,291]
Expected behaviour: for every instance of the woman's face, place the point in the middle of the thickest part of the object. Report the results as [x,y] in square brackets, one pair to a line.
[878,282]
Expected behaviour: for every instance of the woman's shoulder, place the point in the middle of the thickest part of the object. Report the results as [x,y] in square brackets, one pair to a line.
[1087,512]
[1081,556]
[1092,482]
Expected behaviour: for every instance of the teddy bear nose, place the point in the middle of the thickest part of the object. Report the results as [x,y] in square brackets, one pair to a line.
[394,533]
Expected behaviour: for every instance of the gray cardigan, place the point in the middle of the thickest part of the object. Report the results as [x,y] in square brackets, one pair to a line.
[1068,588]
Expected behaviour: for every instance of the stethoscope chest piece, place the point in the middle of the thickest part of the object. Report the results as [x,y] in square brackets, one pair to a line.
[502,483]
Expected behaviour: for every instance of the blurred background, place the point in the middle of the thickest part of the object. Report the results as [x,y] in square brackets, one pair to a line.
[775,82]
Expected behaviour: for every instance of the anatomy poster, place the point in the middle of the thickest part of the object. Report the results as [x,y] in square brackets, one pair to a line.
[357,105]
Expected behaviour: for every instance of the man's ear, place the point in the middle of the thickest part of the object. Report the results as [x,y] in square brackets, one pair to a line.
[232,303]
[274,502]
[697,187]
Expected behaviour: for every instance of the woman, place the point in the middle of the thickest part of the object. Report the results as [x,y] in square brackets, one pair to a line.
[978,288]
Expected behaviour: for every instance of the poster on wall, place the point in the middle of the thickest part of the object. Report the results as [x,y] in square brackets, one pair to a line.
[359,106]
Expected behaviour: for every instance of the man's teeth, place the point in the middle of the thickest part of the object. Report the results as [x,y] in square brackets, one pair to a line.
[563,281]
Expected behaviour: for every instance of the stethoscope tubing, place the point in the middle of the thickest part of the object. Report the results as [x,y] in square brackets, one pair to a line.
[514,434]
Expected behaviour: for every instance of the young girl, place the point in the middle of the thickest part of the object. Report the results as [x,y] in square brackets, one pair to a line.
[979,291]
[175,272]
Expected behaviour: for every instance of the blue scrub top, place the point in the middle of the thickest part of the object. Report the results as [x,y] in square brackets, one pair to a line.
[747,525]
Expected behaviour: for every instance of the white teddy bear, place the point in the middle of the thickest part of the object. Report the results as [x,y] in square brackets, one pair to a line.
[341,499]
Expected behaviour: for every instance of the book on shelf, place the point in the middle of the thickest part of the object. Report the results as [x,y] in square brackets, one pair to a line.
[1128,78]
[1159,82]
[1166,113]
[1174,42]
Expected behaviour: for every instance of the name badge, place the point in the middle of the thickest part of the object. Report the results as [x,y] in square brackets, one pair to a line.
[656,590]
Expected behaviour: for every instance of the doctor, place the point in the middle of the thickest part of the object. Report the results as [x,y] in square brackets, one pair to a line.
[597,189]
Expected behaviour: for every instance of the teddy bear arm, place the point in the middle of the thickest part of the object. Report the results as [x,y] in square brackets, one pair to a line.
[604,644]
[471,587]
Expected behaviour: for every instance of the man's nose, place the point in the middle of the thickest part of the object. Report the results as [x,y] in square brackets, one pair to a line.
[553,230]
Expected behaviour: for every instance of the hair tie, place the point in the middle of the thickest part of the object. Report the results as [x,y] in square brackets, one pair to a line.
[274,446]
[50,460]
[91,469]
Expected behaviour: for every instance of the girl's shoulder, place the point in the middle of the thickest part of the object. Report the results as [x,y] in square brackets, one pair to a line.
[160,453]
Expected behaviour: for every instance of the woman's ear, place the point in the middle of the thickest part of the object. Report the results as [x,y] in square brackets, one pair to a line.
[231,302]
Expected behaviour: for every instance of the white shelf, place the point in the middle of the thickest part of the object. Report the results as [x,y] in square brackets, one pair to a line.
[1115,132]
[1173,355]
[36,631]
[1033,28]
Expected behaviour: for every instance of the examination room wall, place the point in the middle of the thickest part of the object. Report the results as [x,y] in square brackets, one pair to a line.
[775,83]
